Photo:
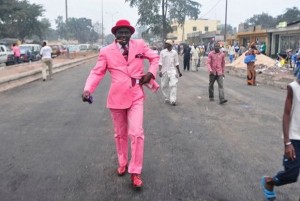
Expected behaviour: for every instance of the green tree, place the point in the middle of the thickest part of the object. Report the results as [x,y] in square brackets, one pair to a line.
[6,9]
[156,14]
[61,27]
[265,20]
[19,19]
[180,9]
[229,29]
[290,15]
[47,32]
[82,30]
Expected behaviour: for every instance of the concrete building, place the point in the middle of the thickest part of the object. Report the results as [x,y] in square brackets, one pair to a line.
[284,36]
[252,34]
[200,26]
[200,38]
[278,39]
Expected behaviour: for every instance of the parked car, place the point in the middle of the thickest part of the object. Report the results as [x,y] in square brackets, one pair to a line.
[73,48]
[6,55]
[30,52]
[84,47]
[57,50]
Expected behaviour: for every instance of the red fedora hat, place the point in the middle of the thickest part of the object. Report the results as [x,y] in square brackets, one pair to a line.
[122,24]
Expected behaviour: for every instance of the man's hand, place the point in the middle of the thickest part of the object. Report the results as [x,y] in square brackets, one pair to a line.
[146,78]
[85,96]
[289,152]
[179,74]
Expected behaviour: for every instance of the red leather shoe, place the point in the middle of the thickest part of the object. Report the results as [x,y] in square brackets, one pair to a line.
[136,180]
[121,170]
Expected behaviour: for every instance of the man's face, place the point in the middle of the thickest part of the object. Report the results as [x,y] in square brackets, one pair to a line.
[217,47]
[168,46]
[123,36]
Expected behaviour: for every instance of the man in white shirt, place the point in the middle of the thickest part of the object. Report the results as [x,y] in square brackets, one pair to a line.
[47,60]
[291,140]
[169,72]
[195,57]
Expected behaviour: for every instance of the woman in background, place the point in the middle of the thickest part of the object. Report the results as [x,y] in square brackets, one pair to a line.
[250,61]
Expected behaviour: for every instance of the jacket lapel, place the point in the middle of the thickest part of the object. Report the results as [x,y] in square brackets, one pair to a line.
[115,51]
[132,50]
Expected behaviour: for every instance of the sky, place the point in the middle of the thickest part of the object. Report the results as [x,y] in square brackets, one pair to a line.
[237,10]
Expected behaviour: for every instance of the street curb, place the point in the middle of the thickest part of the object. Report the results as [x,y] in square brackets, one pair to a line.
[19,79]
[267,79]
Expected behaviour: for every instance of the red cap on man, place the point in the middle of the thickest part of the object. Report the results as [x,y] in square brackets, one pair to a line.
[122,24]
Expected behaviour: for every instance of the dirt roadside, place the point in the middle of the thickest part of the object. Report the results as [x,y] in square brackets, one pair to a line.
[18,75]
[6,71]
[267,71]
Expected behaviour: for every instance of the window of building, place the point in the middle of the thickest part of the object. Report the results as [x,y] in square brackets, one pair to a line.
[288,42]
[194,28]
[205,28]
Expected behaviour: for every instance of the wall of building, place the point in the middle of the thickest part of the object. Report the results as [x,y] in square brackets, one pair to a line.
[284,39]
[192,26]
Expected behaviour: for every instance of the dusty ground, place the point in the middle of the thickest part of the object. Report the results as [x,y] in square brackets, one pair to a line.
[264,65]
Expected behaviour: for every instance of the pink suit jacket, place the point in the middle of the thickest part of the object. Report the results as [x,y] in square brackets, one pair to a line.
[110,59]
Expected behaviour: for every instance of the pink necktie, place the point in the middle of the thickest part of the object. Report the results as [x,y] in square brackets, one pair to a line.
[125,52]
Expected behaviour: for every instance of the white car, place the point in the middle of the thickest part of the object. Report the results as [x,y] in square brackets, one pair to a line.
[6,55]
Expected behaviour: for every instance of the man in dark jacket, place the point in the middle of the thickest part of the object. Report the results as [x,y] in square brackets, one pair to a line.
[186,57]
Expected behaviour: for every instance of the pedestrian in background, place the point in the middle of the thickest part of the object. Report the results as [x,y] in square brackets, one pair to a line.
[236,49]
[291,142]
[47,61]
[201,55]
[17,53]
[231,53]
[263,48]
[210,45]
[216,68]
[186,57]
[169,73]
[242,50]
[250,58]
[124,60]
[195,57]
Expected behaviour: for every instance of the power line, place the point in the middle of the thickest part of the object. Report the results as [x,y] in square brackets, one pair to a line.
[211,9]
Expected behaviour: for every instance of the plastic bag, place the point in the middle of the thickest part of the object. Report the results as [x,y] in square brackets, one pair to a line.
[249,58]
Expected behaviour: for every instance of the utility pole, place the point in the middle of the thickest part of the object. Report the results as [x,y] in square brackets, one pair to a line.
[225,23]
[102,26]
[66,34]
[66,10]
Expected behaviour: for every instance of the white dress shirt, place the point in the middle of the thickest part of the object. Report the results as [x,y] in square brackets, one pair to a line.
[168,60]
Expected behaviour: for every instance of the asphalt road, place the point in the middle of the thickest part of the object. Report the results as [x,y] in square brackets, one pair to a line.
[53,147]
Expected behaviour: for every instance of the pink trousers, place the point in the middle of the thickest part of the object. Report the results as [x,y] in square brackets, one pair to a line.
[129,122]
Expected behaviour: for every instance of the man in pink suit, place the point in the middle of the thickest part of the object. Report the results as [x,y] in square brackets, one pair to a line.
[124,60]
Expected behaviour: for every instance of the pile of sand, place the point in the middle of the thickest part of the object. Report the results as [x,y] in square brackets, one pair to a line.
[261,60]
